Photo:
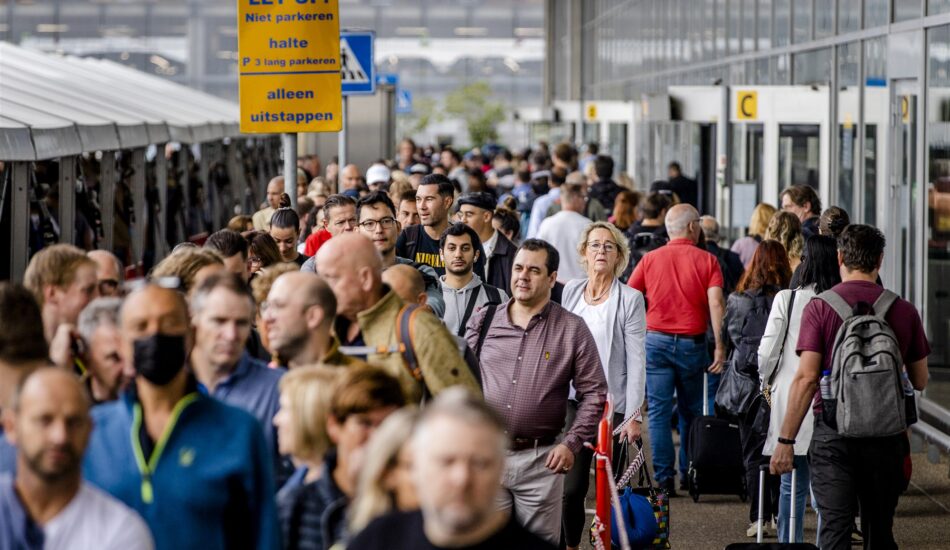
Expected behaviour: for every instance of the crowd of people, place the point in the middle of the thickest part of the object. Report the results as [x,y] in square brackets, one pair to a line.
[416,357]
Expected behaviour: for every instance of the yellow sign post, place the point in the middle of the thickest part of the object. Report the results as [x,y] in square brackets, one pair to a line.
[747,105]
[289,66]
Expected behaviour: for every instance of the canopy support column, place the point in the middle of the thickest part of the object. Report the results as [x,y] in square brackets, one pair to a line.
[67,199]
[19,219]
[107,177]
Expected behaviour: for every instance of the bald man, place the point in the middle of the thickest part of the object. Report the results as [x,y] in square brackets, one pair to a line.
[298,317]
[368,314]
[188,493]
[261,218]
[108,272]
[407,283]
[350,179]
[682,284]
[48,505]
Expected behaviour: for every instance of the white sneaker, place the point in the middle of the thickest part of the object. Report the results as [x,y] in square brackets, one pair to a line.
[753,530]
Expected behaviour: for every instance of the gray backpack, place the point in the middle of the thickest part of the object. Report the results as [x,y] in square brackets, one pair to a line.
[866,367]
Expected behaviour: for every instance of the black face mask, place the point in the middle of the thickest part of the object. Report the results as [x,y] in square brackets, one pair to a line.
[159,357]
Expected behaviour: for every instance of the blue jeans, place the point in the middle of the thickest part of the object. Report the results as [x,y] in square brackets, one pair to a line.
[673,364]
[785,501]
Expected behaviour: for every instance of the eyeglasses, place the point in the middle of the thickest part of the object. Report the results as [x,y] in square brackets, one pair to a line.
[607,247]
[386,223]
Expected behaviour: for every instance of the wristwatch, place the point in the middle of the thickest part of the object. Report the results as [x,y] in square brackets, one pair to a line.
[784,441]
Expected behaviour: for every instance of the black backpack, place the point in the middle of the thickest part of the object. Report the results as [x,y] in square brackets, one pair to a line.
[640,244]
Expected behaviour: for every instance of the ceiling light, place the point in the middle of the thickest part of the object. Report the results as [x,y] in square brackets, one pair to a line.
[529,32]
[51,27]
[471,31]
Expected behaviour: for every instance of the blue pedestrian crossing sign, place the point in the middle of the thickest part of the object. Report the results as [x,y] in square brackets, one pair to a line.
[403,101]
[357,67]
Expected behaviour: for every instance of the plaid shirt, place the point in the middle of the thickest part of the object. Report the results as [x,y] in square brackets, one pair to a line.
[526,373]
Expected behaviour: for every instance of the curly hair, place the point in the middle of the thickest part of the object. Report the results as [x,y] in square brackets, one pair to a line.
[786,228]
[769,268]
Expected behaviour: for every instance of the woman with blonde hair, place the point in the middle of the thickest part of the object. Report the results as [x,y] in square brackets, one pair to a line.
[745,247]
[786,228]
[306,394]
[384,482]
[616,316]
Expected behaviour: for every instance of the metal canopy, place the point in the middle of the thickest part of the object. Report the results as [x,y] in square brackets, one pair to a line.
[52,106]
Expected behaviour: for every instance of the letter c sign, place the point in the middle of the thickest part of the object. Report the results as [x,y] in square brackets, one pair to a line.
[747,105]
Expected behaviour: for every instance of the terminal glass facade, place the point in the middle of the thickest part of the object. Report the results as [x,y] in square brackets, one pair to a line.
[850,96]
[435,46]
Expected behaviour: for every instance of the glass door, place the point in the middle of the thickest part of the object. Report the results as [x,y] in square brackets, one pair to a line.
[902,262]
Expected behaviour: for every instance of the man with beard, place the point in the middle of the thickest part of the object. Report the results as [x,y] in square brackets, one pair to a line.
[463,291]
[298,317]
[460,447]
[48,505]
[196,469]
[420,243]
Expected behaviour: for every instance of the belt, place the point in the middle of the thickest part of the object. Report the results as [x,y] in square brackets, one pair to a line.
[698,338]
[525,443]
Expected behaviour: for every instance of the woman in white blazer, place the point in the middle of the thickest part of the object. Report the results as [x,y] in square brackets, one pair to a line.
[616,317]
[819,272]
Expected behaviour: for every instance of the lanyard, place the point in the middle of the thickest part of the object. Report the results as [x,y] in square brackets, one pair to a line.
[147,468]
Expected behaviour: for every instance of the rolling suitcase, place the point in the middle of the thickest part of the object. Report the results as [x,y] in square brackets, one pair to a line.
[714,453]
[758,544]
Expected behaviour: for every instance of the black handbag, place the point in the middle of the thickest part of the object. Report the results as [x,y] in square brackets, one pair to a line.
[736,391]
[760,412]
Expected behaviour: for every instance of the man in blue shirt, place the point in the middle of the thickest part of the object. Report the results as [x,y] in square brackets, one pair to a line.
[221,311]
[197,470]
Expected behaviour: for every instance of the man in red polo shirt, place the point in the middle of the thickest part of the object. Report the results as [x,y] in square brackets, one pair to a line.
[682,284]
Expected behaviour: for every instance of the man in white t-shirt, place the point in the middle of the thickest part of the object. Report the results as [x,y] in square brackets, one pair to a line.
[563,230]
[48,505]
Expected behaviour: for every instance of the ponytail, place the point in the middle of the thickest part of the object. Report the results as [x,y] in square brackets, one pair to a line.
[285,217]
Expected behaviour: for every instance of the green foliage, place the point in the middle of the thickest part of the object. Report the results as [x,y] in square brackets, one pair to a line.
[424,112]
[472,103]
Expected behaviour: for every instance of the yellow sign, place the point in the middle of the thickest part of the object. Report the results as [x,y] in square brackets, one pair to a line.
[905,109]
[747,105]
[591,111]
[289,65]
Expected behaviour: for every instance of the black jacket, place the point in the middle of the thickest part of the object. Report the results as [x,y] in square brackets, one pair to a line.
[731,265]
[606,192]
[312,515]
[743,325]
[499,266]
[685,188]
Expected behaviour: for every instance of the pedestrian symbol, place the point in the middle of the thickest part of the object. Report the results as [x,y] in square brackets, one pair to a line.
[357,69]
[350,69]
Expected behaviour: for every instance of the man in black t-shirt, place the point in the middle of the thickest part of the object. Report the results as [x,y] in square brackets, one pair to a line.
[460,448]
[420,243]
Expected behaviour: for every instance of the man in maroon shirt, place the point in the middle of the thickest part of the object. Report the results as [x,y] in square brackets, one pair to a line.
[533,351]
[848,469]
[682,284]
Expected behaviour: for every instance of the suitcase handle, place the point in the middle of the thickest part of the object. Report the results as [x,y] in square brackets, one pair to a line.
[762,470]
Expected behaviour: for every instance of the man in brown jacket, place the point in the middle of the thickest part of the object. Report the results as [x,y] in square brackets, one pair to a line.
[368,316]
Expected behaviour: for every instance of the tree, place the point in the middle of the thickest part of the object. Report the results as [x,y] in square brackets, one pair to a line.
[472,103]
[424,112]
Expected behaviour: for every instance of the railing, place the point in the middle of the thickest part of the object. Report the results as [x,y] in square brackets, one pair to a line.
[602,474]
